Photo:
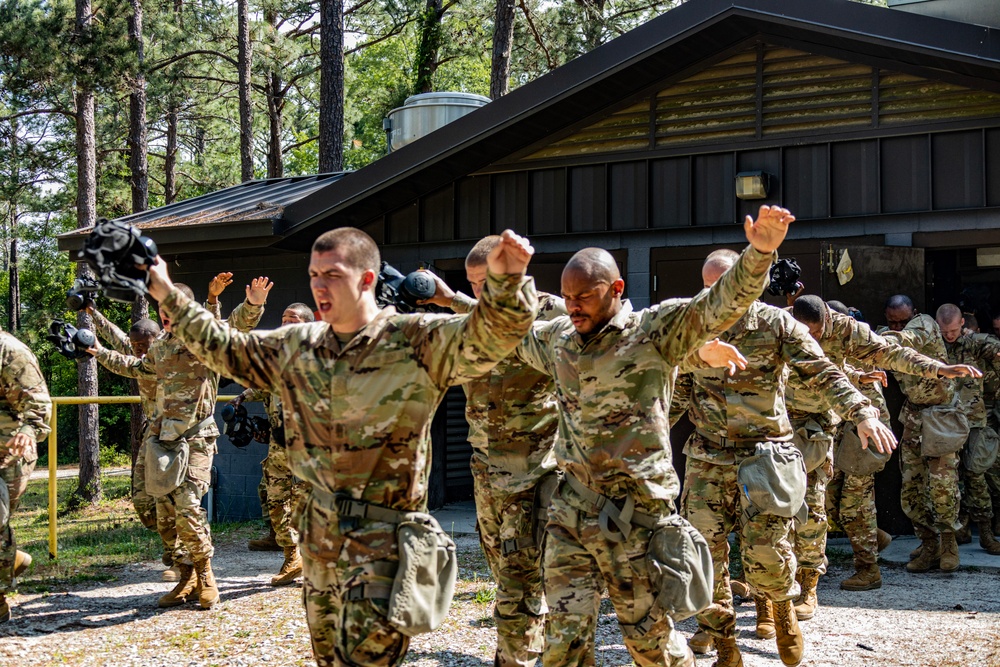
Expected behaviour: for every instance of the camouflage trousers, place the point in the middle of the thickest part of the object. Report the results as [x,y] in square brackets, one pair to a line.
[347,632]
[850,503]
[809,540]
[280,491]
[190,533]
[579,562]
[144,504]
[520,609]
[976,501]
[711,502]
[929,494]
[15,473]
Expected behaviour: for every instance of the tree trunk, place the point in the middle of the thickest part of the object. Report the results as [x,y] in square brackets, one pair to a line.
[244,56]
[170,160]
[89,488]
[14,278]
[331,88]
[429,46]
[503,37]
[275,106]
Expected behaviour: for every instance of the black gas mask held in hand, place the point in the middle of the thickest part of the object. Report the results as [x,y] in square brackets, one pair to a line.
[71,342]
[403,292]
[784,276]
[82,294]
[114,249]
[243,429]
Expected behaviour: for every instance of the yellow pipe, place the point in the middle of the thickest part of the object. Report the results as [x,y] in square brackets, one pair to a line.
[53,453]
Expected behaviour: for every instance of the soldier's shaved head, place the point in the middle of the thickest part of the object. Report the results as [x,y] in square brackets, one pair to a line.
[950,321]
[718,262]
[948,313]
[145,327]
[595,263]
[477,256]
[809,309]
[303,312]
[592,287]
[838,306]
[899,311]
[185,290]
[357,249]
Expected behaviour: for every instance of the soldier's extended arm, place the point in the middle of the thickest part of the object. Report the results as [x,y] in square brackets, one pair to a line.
[681,399]
[24,390]
[247,315]
[458,349]
[866,347]
[126,365]
[111,334]
[678,327]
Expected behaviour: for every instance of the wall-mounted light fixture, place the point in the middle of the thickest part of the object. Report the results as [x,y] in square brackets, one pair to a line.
[752,184]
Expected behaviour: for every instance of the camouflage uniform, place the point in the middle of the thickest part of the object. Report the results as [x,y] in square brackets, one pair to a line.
[144,504]
[614,392]
[930,485]
[25,407]
[991,387]
[185,399]
[850,499]
[513,417]
[731,415]
[979,350]
[282,491]
[357,429]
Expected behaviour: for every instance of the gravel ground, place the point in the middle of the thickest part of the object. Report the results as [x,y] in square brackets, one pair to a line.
[914,620]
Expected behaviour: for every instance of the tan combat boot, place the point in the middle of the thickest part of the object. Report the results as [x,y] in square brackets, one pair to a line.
[22,561]
[729,652]
[208,590]
[789,640]
[269,543]
[700,642]
[930,555]
[290,569]
[949,552]
[807,602]
[986,539]
[172,573]
[867,578]
[915,554]
[4,609]
[765,617]
[884,539]
[183,591]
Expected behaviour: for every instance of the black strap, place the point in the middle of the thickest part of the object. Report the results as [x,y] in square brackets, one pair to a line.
[508,547]
[623,518]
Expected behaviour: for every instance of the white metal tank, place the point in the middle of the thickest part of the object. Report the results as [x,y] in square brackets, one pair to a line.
[422,114]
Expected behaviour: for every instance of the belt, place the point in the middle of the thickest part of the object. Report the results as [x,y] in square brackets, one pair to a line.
[349,508]
[605,508]
[725,442]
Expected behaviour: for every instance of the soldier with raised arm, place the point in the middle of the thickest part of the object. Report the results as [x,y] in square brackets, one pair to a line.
[359,390]
[186,392]
[851,344]
[732,415]
[614,370]
[25,411]
[513,416]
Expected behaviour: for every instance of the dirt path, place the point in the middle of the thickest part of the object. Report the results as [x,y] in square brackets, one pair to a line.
[927,620]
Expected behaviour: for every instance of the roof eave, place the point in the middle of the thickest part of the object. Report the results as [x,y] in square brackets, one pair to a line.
[196,239]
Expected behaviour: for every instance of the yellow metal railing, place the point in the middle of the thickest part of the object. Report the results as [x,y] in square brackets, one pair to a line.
[53,454]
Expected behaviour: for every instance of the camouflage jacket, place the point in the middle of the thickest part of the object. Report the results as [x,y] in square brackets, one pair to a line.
[512,414]
[614,389]
[991,380]
[118,341]
[750,406]
[358,416]
[923,335]
[849,343]
[185,389]
[979,350]
[25,406]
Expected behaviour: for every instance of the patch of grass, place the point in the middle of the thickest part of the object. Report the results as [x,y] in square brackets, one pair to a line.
[485,595]
[837,556]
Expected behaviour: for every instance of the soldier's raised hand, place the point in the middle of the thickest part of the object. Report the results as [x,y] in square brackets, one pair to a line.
[443,295]
[511,255]
[872,431]
[218,285]
[159,279]
[717,354]
[258,289]
[959,371]
[767,232]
